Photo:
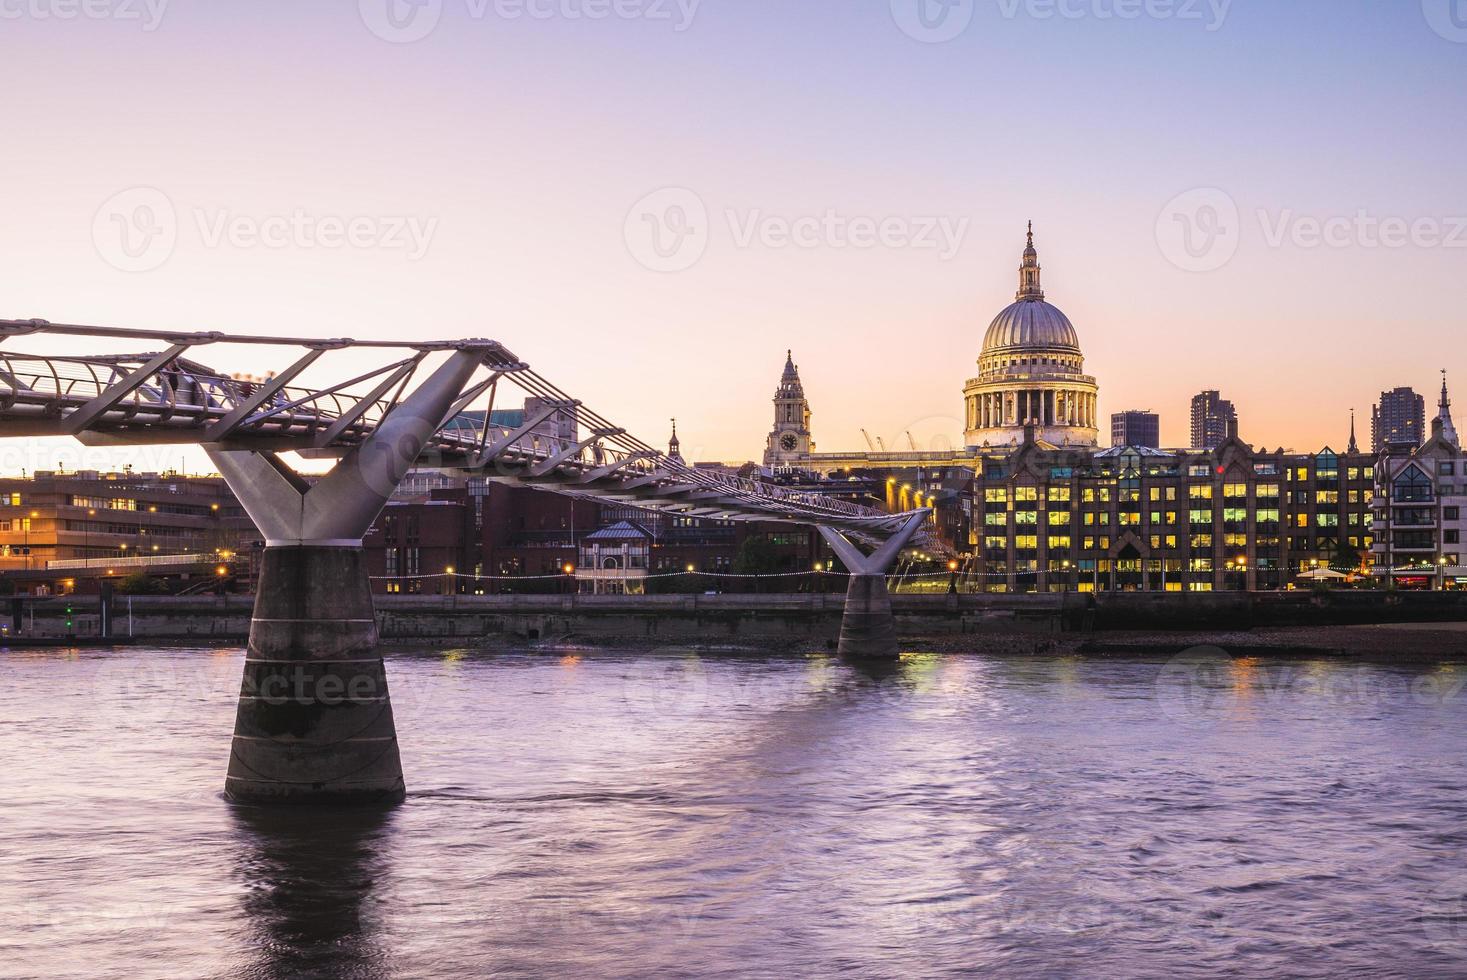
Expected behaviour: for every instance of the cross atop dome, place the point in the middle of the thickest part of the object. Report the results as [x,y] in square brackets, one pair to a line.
[1029,285]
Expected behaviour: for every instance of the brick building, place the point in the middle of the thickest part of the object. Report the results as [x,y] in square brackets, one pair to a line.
[1129,519]
[1420,500]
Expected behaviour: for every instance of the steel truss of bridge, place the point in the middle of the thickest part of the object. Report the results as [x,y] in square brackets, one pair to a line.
[168,396]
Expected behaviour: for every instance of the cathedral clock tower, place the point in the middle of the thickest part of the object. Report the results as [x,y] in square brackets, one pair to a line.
[789,442]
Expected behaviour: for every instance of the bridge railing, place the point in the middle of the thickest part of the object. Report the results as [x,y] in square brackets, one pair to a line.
[136,561]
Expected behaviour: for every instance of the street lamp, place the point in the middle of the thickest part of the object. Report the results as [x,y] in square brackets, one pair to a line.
[1443,563]
[952,585]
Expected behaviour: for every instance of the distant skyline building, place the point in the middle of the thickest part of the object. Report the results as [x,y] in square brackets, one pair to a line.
[1136,428]
[1399,419]
[1212,415]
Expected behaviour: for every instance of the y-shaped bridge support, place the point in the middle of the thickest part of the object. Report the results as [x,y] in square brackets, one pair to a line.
[867,629]
[315,723]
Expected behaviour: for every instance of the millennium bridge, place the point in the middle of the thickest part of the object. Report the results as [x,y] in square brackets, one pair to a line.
[315,721]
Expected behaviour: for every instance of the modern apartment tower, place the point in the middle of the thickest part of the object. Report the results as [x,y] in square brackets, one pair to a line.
[1211,416]
[1399,419]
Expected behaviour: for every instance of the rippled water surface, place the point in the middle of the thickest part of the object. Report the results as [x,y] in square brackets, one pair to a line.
[622,814]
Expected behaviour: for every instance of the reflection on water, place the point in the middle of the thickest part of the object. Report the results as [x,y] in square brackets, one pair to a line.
[582,812]
[310,877]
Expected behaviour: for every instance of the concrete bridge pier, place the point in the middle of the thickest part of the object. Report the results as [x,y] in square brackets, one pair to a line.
[867,628]
[314,723]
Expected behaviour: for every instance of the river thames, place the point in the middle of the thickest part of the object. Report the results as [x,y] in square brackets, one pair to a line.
[629,814]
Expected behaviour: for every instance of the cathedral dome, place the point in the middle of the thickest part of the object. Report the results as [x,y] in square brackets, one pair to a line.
[1032,324]
[1031,381]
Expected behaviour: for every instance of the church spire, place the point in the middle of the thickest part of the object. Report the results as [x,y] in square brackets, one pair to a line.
[674,447]
[1444,413]
[1029,285]
[1354,443]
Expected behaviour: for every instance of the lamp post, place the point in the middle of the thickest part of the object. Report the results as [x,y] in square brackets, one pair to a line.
[1442,562]
[87,537]
[952,585]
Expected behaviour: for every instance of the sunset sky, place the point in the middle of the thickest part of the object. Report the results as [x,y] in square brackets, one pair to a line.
[495,177]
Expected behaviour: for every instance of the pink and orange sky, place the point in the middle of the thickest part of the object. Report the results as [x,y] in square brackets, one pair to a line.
[651,200]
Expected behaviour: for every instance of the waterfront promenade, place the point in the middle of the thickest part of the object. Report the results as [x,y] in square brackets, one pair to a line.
[1071,621]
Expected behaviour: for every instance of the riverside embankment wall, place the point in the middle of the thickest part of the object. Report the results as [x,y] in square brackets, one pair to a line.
[734,619]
